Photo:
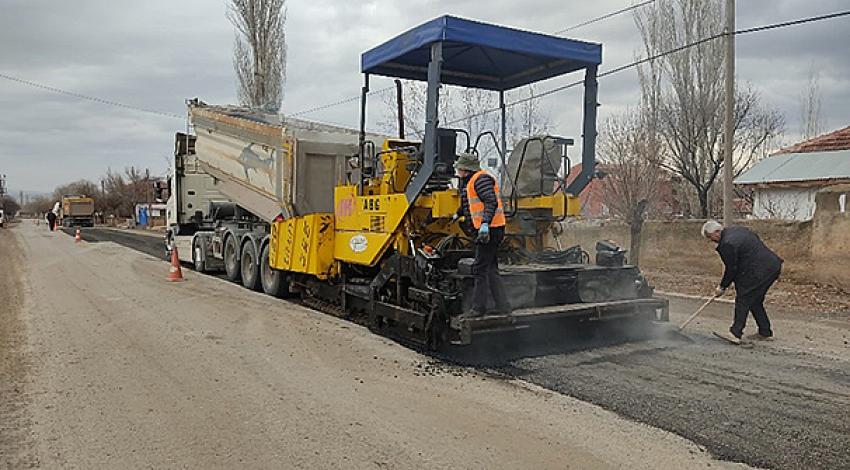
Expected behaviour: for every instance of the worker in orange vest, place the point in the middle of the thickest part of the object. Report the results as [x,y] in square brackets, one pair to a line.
[482,205]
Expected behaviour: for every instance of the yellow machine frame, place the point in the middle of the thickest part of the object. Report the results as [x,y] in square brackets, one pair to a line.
[365,224]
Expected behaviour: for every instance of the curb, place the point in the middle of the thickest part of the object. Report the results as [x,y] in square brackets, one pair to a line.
[692,297]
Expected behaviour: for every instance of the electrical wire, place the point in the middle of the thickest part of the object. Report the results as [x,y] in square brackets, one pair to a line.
[605,17]
[644,60]
[621,68]
[338,103]
[94,99]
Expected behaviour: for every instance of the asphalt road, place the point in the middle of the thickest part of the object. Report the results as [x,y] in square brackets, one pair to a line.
[152,244]
[107,365]
[782,404]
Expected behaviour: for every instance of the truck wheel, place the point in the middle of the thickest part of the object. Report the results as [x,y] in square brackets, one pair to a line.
[231,260]
[250,267]
[274,282]
[198,258]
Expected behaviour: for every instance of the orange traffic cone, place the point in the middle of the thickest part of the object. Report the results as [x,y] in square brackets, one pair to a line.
[78,237]
[175,273]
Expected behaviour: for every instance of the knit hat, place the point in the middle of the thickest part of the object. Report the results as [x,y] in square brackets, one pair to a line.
[468,162]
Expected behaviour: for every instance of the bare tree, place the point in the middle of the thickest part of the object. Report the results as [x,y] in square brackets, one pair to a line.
[691,100]
[39,205]
[629,150]
[259,51]
[528,118]
[9,205]
[469,108]
[811,120]
[77,188]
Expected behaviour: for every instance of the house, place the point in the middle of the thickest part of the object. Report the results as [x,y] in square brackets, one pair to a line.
[150,214]
[784,185]
[595,198]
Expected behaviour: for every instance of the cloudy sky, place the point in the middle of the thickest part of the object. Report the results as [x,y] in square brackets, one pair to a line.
[156,53]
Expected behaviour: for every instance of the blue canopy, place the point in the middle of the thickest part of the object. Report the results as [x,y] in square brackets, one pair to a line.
[480,55]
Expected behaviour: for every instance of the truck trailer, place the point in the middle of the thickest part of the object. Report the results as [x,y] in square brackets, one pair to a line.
[360,225]
[76,211]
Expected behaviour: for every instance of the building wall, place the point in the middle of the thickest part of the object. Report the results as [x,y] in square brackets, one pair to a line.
[784,203]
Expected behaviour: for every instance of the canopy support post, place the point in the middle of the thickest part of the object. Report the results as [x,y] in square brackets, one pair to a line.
[363,92]
[504,151]
[588,137]
[435,67]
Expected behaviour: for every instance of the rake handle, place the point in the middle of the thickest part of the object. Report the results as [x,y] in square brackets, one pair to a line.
[699,310]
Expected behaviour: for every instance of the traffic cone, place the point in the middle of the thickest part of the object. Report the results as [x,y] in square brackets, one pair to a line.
[175,273]
[78,237]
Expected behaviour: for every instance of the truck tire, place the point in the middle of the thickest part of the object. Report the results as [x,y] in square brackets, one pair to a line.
[198,258]
[274,282]
[231,260]
[250,267]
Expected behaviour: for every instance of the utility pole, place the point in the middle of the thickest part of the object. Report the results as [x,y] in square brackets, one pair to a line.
[3,193]
[729,113]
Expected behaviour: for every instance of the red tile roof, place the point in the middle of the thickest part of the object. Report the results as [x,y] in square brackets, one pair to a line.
[837,140]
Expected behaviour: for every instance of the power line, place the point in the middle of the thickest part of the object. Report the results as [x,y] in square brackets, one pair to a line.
[94,99]
[338,103]
[118,104]
[605,17]
[382,90]
[651,58]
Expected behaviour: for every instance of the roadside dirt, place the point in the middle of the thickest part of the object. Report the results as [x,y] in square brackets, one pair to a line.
[16,445]
[135,372]
[790,291]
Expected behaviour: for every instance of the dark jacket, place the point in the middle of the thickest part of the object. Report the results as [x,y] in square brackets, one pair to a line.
[485,187]
[749,263]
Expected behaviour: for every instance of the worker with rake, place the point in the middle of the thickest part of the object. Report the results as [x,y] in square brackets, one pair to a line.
[753,267]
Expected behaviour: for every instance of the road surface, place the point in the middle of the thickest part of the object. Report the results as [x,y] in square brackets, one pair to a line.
[782,404]
[112,367]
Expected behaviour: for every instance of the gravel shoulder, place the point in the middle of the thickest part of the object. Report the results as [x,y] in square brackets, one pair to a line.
[130,371]
[16,443]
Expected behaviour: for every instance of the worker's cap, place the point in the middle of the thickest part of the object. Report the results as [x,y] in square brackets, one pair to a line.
[468,162]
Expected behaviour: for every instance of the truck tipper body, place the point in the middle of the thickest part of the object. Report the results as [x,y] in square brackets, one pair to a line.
[244,169]
[77,211]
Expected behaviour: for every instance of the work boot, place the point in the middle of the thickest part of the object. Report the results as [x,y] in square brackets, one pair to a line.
[759,337]
[728,336]
[472,313]
[504,311]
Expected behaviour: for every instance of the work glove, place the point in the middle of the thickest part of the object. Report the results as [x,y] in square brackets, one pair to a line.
[483,234]
[719,291]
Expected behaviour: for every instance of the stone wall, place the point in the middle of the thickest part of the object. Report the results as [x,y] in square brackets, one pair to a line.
[814,251]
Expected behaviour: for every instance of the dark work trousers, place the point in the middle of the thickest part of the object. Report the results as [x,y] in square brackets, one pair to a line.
[753,301]
[486,271]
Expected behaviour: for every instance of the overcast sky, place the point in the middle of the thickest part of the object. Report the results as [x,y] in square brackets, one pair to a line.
[156,53]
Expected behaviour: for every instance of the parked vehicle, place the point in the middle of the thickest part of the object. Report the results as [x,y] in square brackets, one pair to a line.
[76,211]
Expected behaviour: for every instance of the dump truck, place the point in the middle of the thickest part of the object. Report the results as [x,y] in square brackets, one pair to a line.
[76,211]
[361,225]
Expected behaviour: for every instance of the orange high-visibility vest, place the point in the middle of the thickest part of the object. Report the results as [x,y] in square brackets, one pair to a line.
[476,206]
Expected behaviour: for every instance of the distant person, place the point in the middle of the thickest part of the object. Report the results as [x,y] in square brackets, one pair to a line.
[753,267]
[51,220]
